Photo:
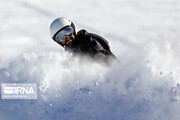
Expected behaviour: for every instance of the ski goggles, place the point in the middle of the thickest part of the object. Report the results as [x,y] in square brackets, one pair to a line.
[66,32]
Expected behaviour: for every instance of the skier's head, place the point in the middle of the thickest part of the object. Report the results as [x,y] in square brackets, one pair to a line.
[63,31]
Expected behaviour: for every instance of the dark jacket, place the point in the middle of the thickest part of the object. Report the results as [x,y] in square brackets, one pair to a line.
[93,45]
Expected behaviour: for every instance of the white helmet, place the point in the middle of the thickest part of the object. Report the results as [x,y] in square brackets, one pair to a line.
[58,24]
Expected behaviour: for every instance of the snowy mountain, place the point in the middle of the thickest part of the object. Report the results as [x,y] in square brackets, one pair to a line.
[143,34]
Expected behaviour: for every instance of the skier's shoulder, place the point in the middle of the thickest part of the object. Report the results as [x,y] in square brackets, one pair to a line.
[87,37]
[84,34]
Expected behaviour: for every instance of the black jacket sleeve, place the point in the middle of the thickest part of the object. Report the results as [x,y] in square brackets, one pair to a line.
[94,45]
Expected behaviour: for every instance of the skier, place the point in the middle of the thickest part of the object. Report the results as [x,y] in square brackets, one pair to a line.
[63,32]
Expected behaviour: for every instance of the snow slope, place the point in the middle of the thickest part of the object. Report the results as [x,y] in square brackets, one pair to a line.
[144,35]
